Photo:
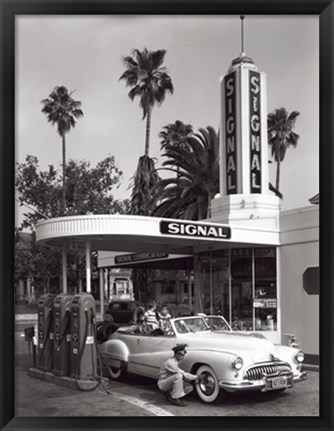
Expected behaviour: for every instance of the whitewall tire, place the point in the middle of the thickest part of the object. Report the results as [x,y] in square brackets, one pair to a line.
[208,388]
[114,372]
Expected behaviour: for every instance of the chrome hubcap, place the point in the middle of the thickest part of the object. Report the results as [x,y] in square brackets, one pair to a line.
[207,384]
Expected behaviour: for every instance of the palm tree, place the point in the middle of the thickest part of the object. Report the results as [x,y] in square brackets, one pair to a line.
[188,195]
[144,180]
[149,81]
[281,135]
[61,109]
[174,134]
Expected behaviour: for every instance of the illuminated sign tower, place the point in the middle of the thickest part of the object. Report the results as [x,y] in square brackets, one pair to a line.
[244,171]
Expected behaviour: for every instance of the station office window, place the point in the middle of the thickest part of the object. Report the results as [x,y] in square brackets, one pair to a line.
[241,285]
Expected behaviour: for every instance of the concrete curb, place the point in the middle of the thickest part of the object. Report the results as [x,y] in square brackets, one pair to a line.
[65,381]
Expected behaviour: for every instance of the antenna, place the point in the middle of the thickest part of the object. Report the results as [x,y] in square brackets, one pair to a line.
[242,17]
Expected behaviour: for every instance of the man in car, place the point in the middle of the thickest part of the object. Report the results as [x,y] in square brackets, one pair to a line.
[174,382]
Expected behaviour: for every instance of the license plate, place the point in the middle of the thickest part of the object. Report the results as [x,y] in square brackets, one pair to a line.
[279,382]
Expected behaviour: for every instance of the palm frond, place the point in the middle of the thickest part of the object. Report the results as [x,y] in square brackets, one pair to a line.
[196,166]
[150,81]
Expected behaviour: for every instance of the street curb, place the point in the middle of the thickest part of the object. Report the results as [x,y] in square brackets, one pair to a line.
[67,382]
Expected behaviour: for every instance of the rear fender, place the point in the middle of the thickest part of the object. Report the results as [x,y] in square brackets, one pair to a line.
[115,349]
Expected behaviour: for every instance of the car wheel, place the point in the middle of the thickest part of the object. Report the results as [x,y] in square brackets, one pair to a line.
[115,372]
[208,389]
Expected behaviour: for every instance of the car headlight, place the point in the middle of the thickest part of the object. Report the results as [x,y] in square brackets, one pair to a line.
[237,363]
[300,356]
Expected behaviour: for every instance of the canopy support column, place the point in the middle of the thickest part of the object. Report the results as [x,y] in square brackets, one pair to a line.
[101,279]
[88,266]
[64,265]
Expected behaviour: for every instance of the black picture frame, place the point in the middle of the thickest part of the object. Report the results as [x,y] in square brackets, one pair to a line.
[10,9]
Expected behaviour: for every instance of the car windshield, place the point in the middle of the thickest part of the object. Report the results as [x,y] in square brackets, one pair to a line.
[217,323]
[187,325]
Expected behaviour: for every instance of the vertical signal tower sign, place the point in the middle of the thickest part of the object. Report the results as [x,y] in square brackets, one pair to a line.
[244,141]
[255,131]
[244,196]
[230,133]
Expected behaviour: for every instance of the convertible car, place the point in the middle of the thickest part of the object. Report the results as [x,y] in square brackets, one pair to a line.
[225,360]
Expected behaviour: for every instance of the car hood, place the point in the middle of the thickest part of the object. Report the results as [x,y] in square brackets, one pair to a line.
[255,347]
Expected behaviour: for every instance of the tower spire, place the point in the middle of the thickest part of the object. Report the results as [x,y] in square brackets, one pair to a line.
[242,17]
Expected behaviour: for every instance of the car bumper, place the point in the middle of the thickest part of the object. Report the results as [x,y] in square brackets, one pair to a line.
[265,384]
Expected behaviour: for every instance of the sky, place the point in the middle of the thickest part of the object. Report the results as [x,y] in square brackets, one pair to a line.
[84,53]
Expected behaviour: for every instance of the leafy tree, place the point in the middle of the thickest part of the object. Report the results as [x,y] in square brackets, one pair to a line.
[61,109]
[23,258]
[37,262]
[281,135]
[46,267]
[89,190]
[196,163]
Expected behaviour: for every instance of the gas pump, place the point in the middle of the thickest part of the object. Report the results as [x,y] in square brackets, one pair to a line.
[45,331]
[83,346]
[62,334]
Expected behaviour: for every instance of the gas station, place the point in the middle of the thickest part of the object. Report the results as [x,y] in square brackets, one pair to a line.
[248,241]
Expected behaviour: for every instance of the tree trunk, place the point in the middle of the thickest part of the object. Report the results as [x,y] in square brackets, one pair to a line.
[148,129]
[278,172]
[64,177]
[47,284]
[208,214]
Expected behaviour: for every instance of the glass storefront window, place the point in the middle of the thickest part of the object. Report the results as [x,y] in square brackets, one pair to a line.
[220,275]
[240,284]
[241,279]
[214,281]
[265,298]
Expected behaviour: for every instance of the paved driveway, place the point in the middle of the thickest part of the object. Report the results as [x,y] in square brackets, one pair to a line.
[139,396]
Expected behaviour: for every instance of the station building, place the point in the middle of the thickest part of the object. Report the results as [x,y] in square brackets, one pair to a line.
[251,262]
[271,286]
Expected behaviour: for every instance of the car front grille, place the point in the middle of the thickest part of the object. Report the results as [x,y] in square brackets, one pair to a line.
[270,369]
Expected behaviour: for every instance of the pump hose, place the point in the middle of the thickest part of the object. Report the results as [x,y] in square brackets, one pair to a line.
[46,339]
[79,362]
[99,358]
[60,341]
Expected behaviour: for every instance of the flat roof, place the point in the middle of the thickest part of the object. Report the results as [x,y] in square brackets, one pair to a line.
[128,233]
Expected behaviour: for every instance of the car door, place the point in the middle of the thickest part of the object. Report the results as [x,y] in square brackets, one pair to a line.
[154,350]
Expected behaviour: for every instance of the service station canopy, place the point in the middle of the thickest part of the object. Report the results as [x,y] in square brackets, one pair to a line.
[127,233]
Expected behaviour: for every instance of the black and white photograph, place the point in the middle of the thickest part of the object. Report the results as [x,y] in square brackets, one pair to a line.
[167,215]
